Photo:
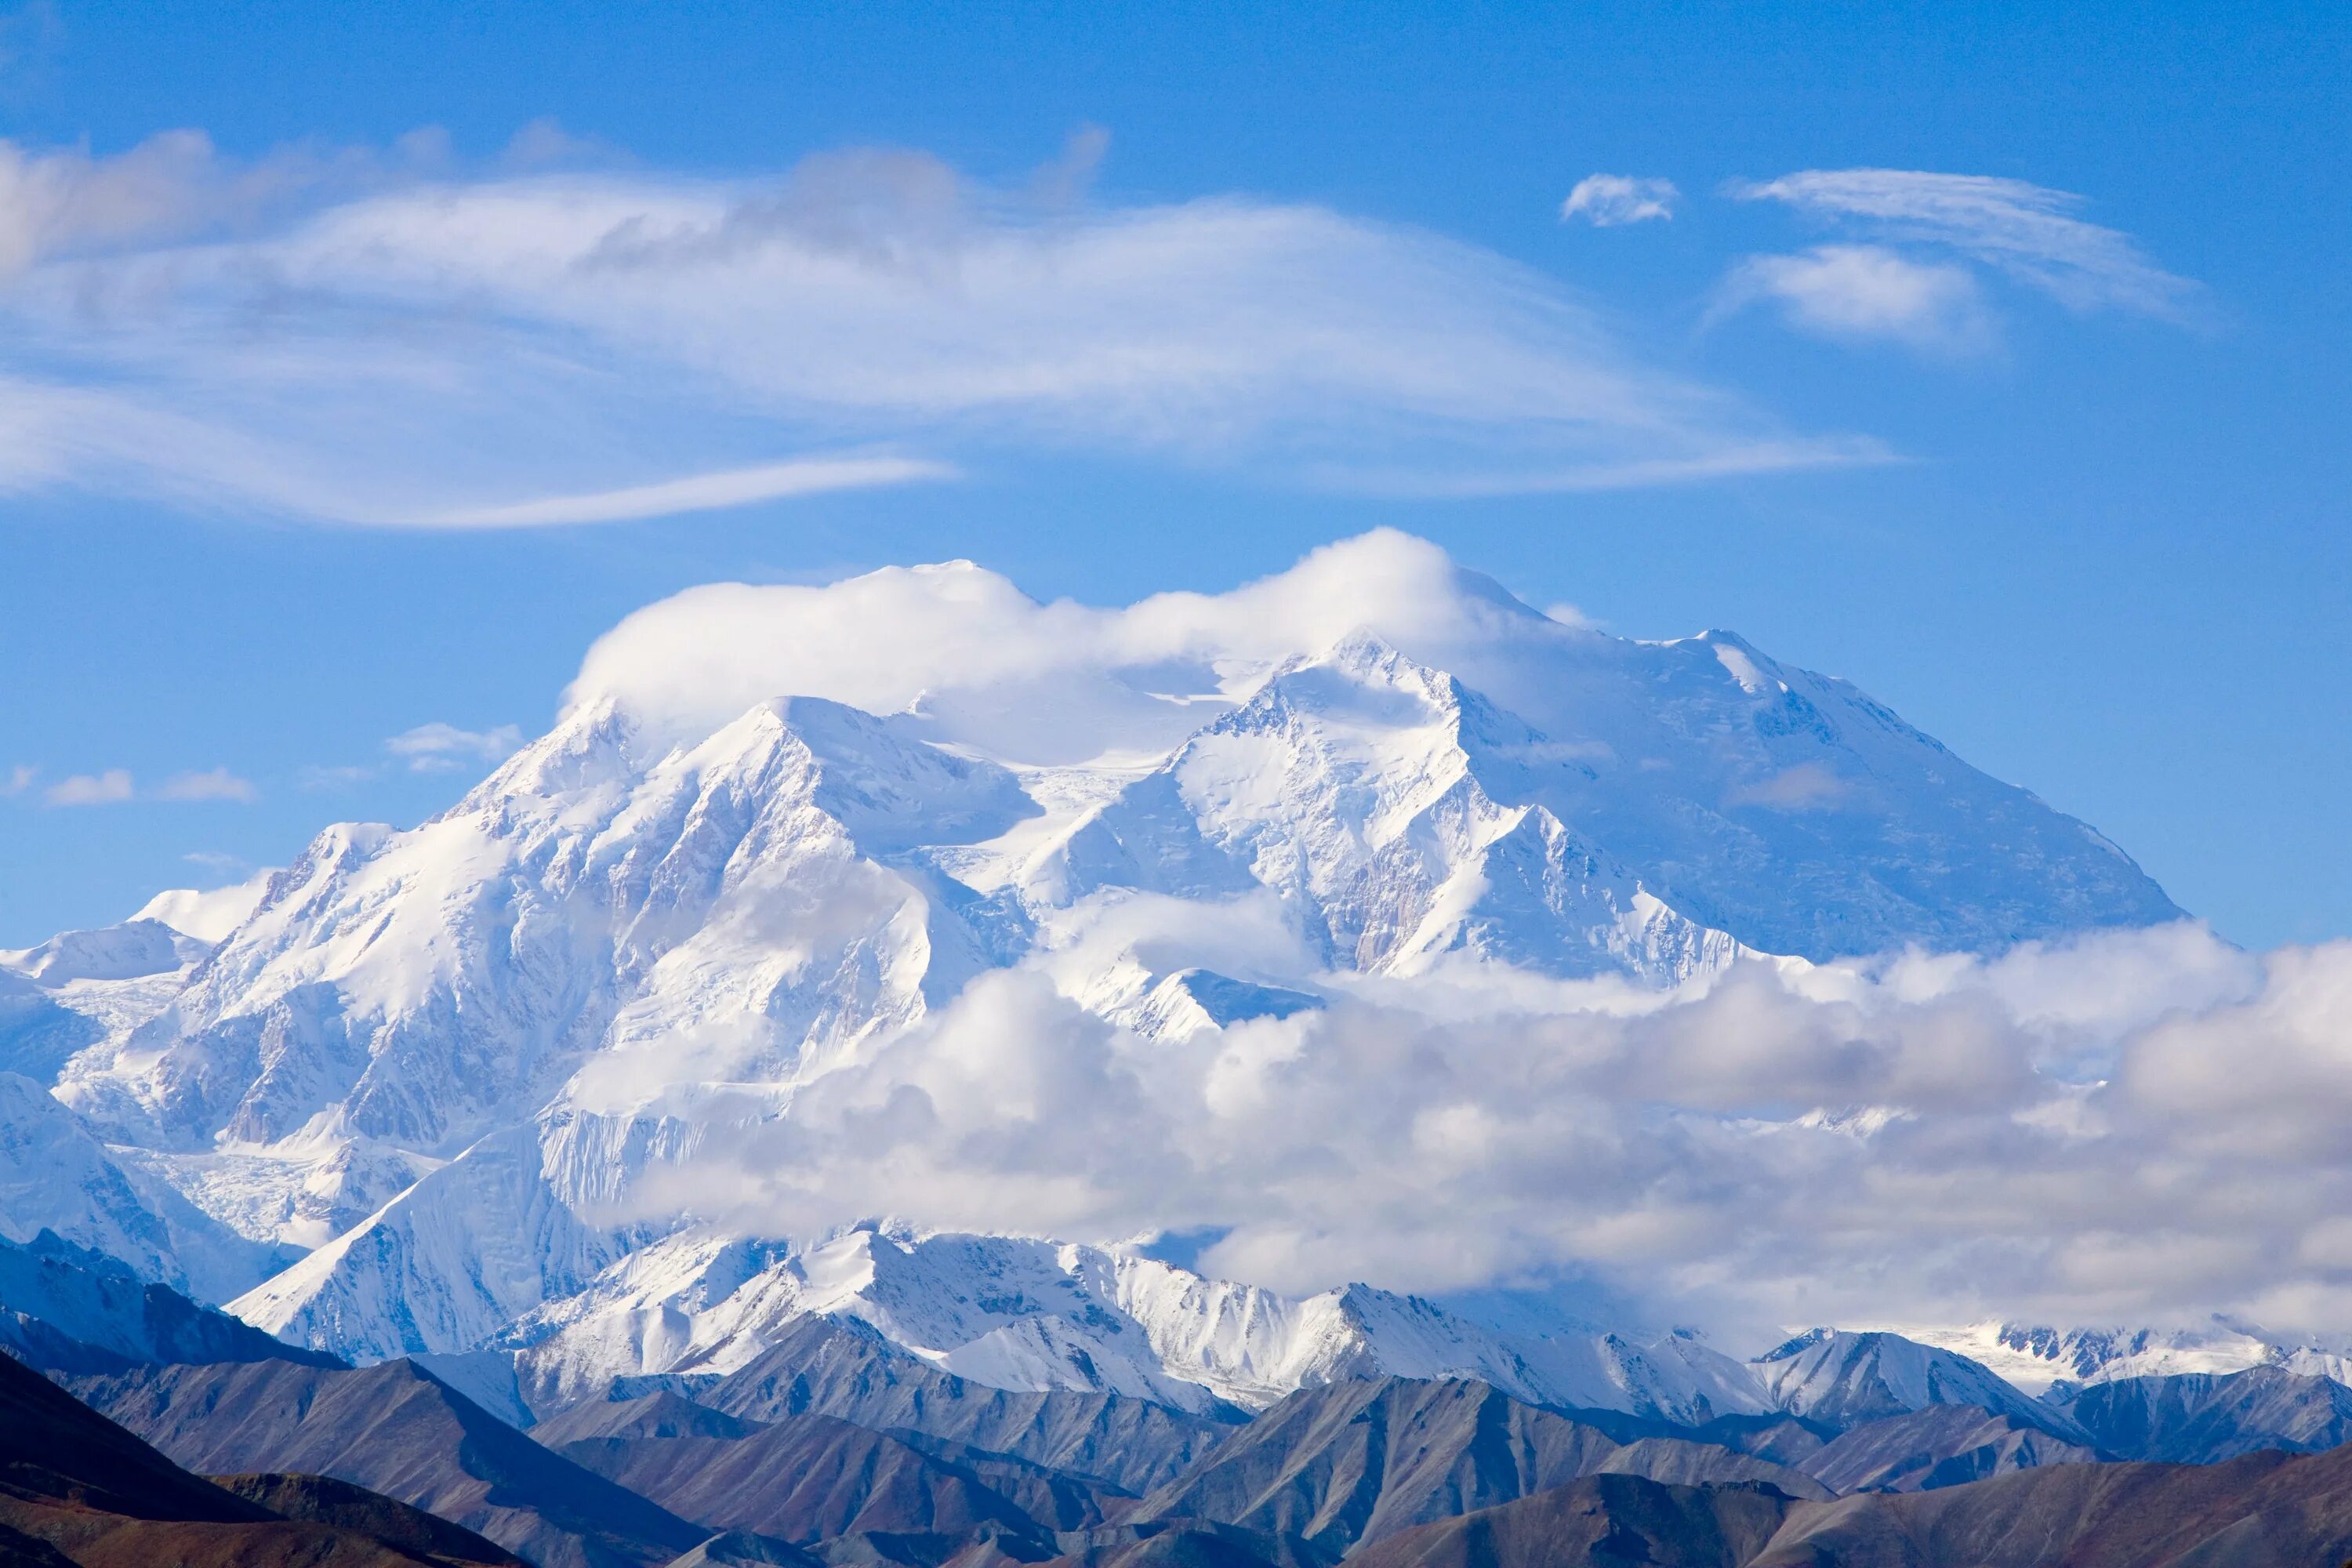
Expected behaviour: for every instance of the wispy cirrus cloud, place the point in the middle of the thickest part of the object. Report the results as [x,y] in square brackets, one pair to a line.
[1607,201]
[697,492]
[396,340]
[1913,280]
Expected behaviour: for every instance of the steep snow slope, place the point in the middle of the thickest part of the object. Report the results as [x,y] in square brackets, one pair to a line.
[1845,1379]
[418,987]
[1391,809]
[55,1176]
[208,914]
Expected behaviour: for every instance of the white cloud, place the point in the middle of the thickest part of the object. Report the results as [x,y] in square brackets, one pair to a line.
[698,492]
[215,784]
[368,340]
[978,657]
[1606,201]
[114,785]
[106,788]
[1864,291]
[342,776]
[20,779]
[1779,1145]
[2026,231]
[436,747]
[1808,786]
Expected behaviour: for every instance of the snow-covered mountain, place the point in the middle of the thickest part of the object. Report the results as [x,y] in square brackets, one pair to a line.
[2035,1357]
[1845,1378]
[1036,1315]
[456,1066]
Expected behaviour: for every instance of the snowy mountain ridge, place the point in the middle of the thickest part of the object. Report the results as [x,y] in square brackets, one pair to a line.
[460,1067]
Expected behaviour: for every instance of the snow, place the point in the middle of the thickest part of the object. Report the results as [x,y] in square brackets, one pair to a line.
[2033,1357]
[1847,1377]
[453,1062]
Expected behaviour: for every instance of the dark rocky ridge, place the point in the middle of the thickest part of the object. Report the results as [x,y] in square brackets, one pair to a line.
[396,1429]
[79,1491]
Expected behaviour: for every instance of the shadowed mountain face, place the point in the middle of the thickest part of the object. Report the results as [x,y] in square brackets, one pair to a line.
[323,1500]
[79,1491]
[396,1429]
[849,1371]
[812,1477]
[2198,1417]
[66,1309]
[659,1415]
[2263,1511]
[1942,1446]
[1353,1462]
[1601,1522]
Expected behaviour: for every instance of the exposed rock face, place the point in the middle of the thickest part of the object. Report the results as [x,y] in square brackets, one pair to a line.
[1353,1462]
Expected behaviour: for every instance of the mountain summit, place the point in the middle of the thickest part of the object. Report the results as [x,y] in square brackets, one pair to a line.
[466,1067]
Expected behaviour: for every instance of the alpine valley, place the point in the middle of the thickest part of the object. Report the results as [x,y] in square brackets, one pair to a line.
[628,1165]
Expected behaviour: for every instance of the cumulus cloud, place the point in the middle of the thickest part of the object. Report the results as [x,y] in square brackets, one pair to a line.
[1606,201]
[970,658]
[437,747]
[114,786]
[1938,1136]
[107,788]
[215,784]
[20,779]
[2029,232]
[1865,291]
[603,342]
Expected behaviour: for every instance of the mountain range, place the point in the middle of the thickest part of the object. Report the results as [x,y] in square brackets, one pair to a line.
[497,1113]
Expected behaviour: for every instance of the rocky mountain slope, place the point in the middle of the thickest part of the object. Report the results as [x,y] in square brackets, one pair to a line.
[78,1492]
[397,1430]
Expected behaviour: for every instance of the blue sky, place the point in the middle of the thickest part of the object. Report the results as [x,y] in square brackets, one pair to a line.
[1162,298]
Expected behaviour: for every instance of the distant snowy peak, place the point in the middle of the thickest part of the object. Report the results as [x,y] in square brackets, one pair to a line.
[209,914]
[132,951]
[2036,1357]
[1847,1378]
[1031,1315]
[1191,1000]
